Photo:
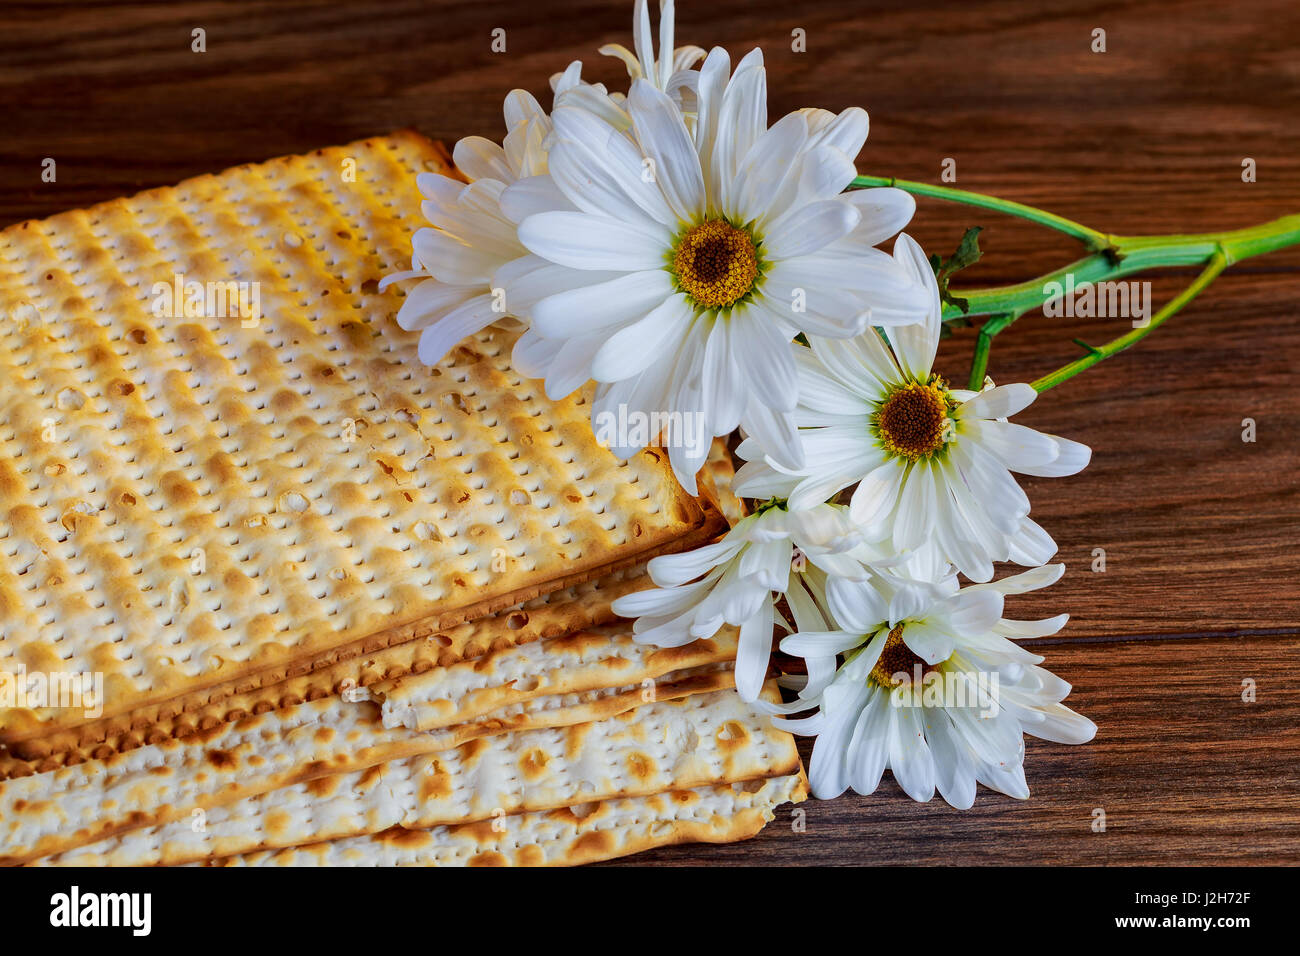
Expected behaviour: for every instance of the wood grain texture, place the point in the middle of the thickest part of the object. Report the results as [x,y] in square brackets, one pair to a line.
[1199,527]
[1184,769]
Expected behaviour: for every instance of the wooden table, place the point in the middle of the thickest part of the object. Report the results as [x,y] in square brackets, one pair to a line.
[1200,528]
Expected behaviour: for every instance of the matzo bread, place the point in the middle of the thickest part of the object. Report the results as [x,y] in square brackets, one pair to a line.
[720,473]
[564,837]
[580,707]
[186,501]
[579,606]
[678,744]
[557,613]
[577,662]
[51,812]
[493,684]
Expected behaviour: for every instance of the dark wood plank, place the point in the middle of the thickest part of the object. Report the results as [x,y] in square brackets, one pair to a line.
[1185,771]
[1198,527]
[1148,136]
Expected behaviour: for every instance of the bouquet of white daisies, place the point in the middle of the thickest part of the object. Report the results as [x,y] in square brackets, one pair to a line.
[703,265]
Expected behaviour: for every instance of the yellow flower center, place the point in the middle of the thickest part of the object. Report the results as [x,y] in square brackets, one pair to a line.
[913,422]
[896,658]
[715,263]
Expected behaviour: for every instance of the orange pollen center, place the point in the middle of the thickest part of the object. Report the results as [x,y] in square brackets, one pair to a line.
[896,658]
[913,422]
[716,264]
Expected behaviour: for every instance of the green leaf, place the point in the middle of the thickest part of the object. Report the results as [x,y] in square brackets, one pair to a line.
[968,253]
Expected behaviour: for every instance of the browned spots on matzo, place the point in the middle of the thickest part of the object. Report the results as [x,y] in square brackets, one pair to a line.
[732,736]
[640,766]
[592,846]
[533,763]
[580,643]
[577,736]
[402,837]
[222,759]
[562,815]
[435,783]
[529,855]
[322,787]
[472,749]
[670,658]
[277,822]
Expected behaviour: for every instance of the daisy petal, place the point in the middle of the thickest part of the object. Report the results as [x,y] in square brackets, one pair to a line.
[869,749]
[674,569]
[429,301]
[815,643]
[1071,459]
[803,231]
[470,317]
[885,211]
[725,392]
[753,652]
[768,178]
[975,612]
[1031,546]
[591,308]
[450,260]
[909,754]
[915,345]
[1030,629]
[954,777]
[634,347]
[846,131]
[480,158]
[828,769]
[1016,446]
[1000,402]
[532,195]
[665,142]
[583,241]
[1063,726]
[775,432]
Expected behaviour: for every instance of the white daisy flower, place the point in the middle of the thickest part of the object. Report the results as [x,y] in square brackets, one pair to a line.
[732,582]
[473,236]
[932,463]
[695,259]
[930,688]
[670,72]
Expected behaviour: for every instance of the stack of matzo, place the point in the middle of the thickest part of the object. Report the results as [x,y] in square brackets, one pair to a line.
[347,609]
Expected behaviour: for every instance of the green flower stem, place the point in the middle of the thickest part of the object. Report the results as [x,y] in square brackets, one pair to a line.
[1089,237]
[1111,257]
[1218,262]
[979,365]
